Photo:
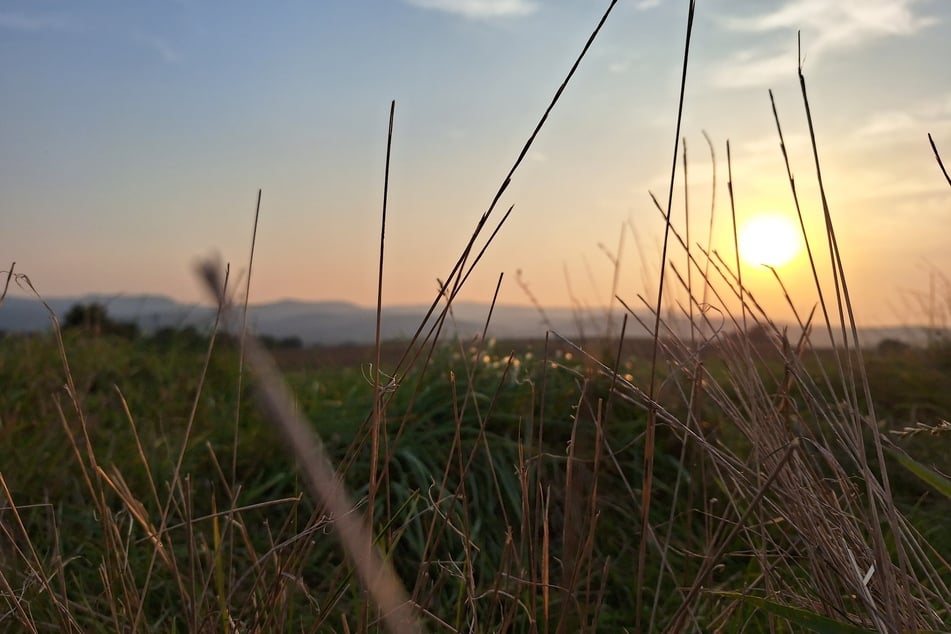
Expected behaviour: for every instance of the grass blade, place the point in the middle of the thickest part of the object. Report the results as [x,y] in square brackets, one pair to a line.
[923,473]
[797,616]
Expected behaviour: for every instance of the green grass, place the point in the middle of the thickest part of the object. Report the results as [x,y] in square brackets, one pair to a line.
[487,457]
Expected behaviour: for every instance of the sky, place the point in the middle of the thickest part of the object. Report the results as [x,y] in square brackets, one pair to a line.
[135,136]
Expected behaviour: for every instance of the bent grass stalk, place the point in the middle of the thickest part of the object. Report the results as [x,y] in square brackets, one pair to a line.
[376,574]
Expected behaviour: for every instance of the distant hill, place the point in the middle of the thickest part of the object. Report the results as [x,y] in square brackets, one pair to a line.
[313,322]
[342,322]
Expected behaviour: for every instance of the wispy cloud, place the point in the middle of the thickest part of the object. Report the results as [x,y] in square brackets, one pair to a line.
[538,157]
[826,25]
[886,123]
[838,24]
[34,23]
[619,67]
[643,5]
[159,46]
[479,8]
[915,119]
[754,67]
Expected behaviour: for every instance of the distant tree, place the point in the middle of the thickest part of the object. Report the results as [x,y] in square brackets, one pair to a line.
[125,329]
[94,318]
[283,343]
[293,343]
[185,337]
[86,317]
[893,346]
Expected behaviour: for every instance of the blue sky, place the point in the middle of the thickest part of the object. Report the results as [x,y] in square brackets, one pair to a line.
[135,136]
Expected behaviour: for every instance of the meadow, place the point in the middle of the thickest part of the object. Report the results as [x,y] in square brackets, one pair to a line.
[720,473]
[146,492]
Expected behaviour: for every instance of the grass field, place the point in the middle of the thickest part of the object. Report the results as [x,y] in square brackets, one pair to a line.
[510,491]
[721,474]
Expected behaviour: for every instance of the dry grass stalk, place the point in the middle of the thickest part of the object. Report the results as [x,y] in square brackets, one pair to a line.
[276,400]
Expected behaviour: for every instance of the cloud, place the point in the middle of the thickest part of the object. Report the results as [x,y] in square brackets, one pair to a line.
[886,123]
[643,5]
[538,157]
[838,24]
[159,46]
[767,146]
[619,67]
[479,8]
[910,122]
[752,67]
[826,26]
[34,23]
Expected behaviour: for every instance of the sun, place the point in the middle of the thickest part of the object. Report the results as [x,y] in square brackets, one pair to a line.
[770,239]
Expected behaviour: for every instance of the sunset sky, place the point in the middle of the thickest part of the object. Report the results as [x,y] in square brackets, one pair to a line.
[135,135]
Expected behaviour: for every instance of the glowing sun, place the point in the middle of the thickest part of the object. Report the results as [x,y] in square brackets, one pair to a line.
[770,239]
